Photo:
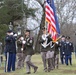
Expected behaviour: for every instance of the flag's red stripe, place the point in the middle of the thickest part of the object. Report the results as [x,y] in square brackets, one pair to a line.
[51,21]
[51,25]
[49,14]
[50,17]
[48,20]
[47,7]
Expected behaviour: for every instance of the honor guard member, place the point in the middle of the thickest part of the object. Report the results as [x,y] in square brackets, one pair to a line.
[43,50]
[20,52]
[68,51]
[1,58]
[56,55]
[45,41]
[10,51]
[50,54]
[62,49]
[29,52]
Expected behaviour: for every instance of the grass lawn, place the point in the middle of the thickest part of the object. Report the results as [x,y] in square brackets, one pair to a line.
[63,69]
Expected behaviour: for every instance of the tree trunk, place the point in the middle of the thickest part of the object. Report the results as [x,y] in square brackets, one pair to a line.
[37,46]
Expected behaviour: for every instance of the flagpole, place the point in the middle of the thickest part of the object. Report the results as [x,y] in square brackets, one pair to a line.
[45,15]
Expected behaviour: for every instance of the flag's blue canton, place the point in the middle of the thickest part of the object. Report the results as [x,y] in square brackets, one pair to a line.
[49,2]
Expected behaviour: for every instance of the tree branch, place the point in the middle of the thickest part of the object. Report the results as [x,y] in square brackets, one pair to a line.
[35,28]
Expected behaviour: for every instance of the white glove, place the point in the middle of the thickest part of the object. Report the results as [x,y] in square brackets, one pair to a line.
[64,56]
[52,46]
[21,49]
[63,52]
[15,35]
[30,41]
[23,42]
[56,42]
[22,38]
[11,33]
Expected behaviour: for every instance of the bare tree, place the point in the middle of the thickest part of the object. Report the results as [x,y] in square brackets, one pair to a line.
[66,15]
[66,10]
[37,46]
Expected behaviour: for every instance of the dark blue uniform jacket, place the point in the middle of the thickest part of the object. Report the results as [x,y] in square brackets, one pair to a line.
[10,45]
[62,47]
[68,48]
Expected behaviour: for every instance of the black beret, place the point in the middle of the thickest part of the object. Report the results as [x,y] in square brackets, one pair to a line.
[9,31]
[63,36]
[67,37]
[28,30]
[43,28]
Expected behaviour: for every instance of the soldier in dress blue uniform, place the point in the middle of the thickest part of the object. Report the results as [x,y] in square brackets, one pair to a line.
[10,51]
[68,51]
[28,47]
[62,49]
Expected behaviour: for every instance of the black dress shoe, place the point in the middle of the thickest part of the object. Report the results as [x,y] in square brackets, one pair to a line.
[45,70]
[71,64]
[67,64]
[49,70]
[28,73]
[35,69]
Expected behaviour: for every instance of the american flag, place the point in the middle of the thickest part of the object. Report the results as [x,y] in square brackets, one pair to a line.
[51,18]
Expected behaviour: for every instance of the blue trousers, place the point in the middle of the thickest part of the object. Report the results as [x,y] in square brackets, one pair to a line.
[68,58]
[62,58]
[11,58]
